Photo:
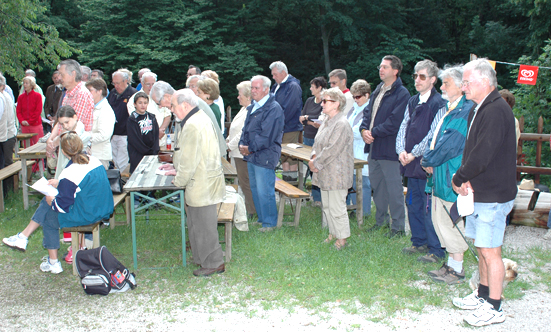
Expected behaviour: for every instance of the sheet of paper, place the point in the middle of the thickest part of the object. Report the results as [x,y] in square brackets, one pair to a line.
[294,146]
[465,204]
[318,121]
[43,187]
[160,172]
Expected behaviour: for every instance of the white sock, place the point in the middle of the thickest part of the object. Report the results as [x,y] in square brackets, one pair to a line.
[21,236]
[457,266]
[53,261]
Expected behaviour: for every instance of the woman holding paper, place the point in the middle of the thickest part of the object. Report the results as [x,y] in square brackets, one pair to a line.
[84,197]
[332,162]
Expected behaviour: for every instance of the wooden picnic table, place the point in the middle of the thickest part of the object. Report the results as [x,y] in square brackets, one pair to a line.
[145,179]
[303,153]
[229,171]
[23,138]
[37,151]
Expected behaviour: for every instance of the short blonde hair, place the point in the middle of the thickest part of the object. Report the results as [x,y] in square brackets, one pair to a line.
[210,87]
[32,80]
[360,87]
[211,74]
[245,88]
[336,95]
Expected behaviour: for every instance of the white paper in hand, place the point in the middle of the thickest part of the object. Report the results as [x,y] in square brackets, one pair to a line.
[43,187]
[465,204]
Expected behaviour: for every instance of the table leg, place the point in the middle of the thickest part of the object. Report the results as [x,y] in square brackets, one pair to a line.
[24,183]
[134,248]
[300,175]
[41,166]
[183,222]
[359,197]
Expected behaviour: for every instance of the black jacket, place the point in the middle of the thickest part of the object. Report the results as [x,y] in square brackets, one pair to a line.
[489,158]
[143,137]
[118,104]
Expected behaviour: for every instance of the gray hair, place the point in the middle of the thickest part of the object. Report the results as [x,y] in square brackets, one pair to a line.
[430,66]
[280,66]
[100,72]
[266,83]
[455,72]
[30,72]
[360,87]
[125,73]
[72,66]
[191,78]
[484,69]
[186,96]
[86,70]
[160,89]
[245,88]
[3,80]
[337,95]
[339,73]
[143,71]
[149,74]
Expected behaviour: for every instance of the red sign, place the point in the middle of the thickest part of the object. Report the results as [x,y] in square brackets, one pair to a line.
[527,75]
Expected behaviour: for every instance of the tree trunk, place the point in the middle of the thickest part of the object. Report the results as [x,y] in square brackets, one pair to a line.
[325,40]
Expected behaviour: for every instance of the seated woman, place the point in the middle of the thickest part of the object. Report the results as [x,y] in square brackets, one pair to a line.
[84,197]
[142,130]
[332,162]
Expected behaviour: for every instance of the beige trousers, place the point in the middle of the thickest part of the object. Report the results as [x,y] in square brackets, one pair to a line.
[447,234]
[334,210]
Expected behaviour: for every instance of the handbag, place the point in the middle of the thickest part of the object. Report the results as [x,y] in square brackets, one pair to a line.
[115,181]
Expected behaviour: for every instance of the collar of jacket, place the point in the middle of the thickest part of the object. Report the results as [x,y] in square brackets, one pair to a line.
[189,115]
[398,83]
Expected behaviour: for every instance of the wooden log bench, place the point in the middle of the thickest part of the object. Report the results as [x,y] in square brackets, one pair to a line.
[225,217]
[118,199]
[92,228]
[289,192]
[8,171]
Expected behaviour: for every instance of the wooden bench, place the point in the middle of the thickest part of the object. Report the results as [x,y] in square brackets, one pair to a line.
[8,171]
[289,192]
[225,216]
[93,228]
[118,199]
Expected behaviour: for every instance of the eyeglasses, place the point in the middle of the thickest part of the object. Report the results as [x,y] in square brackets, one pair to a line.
[422,77]
[467,83]
[324,101]
[384,67]
[357,97]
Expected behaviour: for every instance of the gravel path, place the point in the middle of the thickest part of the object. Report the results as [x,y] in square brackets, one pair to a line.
[26,305]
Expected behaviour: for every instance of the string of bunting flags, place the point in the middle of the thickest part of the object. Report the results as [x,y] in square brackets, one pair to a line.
[526,74]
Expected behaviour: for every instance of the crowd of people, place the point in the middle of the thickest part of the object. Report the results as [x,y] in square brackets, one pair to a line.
[437,145]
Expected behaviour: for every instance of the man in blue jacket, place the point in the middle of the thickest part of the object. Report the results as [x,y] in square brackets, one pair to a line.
[382,119]
[260,145]
[288,94]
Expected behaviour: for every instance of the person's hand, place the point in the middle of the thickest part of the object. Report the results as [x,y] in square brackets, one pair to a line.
[402,157]
[166,167]
[171,172]
[49,200]
[367,137]
[312,167]
[244,150]
[314,124]
[463,190]
[428,169]
[25,123]
[53,182]
[161,134]
[50,147]
[302,118]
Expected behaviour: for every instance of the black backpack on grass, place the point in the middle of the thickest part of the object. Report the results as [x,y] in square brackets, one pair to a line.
[101,273]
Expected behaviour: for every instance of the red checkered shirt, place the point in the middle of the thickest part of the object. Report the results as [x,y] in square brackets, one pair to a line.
[83,103]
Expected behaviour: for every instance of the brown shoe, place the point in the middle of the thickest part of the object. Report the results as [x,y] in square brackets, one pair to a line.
[205,272]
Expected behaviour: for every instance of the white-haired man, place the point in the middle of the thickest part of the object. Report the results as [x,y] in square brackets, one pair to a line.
[162,114]
[488,169]
[140,75]
[86,73]
[288,94]
[260,146]
[118,99]
[198,169]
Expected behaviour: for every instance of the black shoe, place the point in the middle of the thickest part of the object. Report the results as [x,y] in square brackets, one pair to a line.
[394,233]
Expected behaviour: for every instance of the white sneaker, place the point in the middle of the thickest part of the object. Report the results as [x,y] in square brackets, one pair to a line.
[469,302]
[486,314]
[53,268]
[16,242]
[547,235]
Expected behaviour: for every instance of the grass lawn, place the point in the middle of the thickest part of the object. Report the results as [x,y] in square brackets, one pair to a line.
[282,269]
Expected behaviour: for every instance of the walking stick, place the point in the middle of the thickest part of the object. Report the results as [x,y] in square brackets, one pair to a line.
[463,236]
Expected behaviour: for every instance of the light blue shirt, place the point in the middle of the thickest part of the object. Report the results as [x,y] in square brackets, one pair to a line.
[260,103]
[355,117]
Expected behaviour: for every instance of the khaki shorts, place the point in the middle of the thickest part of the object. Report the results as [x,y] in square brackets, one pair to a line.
[447,234]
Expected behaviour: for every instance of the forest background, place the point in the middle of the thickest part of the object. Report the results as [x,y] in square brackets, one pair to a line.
[239,39]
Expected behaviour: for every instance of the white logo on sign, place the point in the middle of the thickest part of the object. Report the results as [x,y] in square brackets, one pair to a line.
[527,73]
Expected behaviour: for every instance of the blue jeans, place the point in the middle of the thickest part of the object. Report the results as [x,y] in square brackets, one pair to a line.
[487,224]
[366,191]
[420,222]
[47,218]
[316,194]
[262,183]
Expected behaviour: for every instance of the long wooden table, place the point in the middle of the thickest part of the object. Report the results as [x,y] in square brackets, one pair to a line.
[37,151]
[229,171]
[145,179]
[26,137]
[303,153]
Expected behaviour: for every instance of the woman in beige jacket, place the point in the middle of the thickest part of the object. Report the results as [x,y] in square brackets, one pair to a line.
[332,163]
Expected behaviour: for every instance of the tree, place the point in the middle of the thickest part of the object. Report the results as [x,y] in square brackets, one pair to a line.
[26,42]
